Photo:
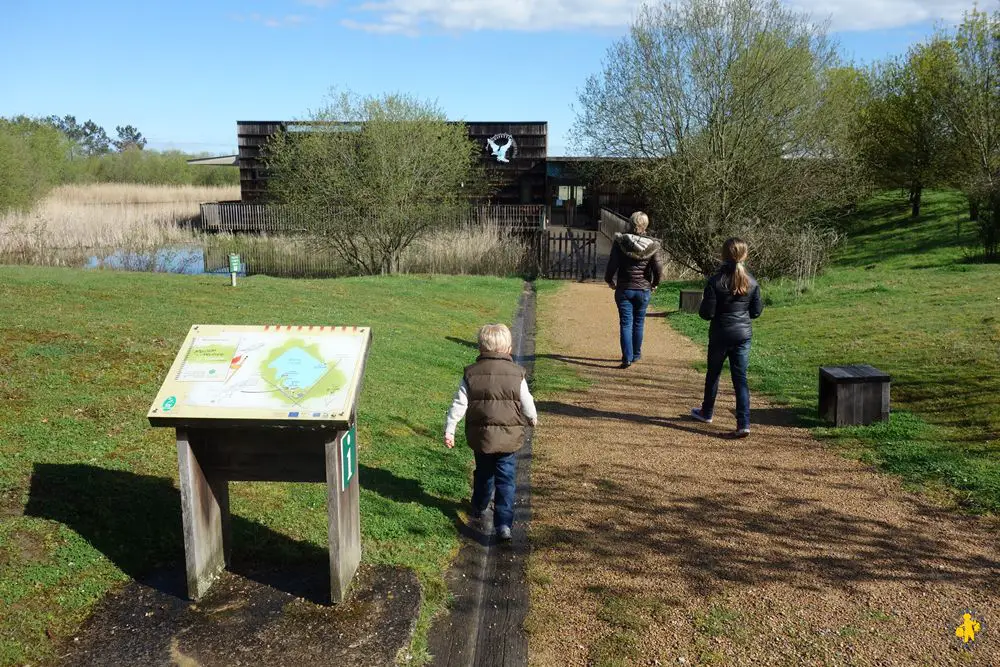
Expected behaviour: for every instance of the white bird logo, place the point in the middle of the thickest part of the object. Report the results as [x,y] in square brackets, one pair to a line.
[500,151]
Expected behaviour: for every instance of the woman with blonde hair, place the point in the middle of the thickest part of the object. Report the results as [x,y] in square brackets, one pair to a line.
[731,301]
[634,271]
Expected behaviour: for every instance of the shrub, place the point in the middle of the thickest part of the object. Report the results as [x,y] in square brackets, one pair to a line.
[33,159]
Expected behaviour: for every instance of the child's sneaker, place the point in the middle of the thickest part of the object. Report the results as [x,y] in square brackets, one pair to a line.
[503,533]
[741,433]
[696,413]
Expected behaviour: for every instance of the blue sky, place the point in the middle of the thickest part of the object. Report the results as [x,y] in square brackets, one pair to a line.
[185,71]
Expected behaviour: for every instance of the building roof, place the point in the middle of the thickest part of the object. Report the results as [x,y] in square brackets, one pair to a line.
[221,161]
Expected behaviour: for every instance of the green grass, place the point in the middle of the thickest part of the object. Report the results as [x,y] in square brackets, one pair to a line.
[907,297]
[88,493]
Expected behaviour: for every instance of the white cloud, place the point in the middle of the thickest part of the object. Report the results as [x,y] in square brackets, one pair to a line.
[410,16]
[413,16]
[289,20]
[879,14]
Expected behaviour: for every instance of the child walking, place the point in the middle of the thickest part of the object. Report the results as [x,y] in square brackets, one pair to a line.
[497,405]
[731,300]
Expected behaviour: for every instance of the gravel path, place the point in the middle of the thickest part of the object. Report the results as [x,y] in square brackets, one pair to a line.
[657,541]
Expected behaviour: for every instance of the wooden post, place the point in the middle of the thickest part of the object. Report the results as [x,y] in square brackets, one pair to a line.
[343,517]
[205,516]
[690,300]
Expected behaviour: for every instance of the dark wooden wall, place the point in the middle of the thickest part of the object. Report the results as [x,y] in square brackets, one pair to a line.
[520,181]
[252,136]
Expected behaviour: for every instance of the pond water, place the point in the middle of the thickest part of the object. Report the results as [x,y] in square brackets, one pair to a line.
[189,260]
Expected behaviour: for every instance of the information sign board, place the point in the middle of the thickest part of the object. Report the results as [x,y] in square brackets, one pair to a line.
[307,376]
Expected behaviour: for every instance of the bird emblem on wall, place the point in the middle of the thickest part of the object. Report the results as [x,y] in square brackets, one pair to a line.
[500,151]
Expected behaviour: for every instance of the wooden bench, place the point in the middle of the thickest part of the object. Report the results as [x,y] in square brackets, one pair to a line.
[853,395]
[691,300]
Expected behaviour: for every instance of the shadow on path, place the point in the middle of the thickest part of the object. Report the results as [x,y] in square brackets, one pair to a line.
[678,423]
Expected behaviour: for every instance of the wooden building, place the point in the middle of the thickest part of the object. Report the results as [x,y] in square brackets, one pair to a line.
[519,169]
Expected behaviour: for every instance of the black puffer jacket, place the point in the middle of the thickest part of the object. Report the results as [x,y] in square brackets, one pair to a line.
[634,263]
[730,313]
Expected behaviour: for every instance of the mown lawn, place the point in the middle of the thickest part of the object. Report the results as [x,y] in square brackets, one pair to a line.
[907,297]
[88,493]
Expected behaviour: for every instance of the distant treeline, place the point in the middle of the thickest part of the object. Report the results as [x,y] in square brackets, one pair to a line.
[37,154]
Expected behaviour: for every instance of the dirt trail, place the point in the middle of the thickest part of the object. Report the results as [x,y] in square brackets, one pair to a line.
[656,541]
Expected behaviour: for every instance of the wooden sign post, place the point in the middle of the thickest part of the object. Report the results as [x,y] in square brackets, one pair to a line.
[274,403]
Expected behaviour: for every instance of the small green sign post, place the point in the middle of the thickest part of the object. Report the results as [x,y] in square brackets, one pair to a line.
[234,266]
[348,458]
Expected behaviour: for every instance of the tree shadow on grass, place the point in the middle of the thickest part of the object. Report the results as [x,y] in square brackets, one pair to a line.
[135,521]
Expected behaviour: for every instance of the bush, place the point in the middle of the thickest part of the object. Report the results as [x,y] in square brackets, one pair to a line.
[33,159]
[150,167]
[776,251]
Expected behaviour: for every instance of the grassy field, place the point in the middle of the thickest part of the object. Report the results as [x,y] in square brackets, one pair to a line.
[88,493]
[905,296]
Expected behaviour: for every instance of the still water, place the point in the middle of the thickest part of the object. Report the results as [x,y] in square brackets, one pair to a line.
[189,260]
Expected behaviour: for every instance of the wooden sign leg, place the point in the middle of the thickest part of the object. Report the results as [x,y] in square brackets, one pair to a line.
[344,521]
[205,513]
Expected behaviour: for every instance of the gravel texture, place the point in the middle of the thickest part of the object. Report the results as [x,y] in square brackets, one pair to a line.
[657,541]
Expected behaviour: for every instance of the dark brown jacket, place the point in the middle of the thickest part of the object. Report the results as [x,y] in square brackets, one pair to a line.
[634,263]
[494,423]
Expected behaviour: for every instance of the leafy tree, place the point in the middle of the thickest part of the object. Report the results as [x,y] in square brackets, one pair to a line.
[88,139]
[129,138]
[723,106]
[369,175]
[906,139]
[971,104]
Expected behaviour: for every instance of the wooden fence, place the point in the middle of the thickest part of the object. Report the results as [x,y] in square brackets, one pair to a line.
[571,255]
[250,218]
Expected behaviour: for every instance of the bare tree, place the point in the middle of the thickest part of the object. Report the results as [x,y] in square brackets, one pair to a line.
[724,107]
[369,175]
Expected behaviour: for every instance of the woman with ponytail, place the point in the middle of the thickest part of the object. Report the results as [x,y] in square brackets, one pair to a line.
[731,300]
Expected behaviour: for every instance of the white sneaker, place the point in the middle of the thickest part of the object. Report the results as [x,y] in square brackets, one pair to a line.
[696,413]
[741,433]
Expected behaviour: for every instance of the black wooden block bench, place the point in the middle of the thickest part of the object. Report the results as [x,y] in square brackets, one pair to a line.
[691,300]
[853,395]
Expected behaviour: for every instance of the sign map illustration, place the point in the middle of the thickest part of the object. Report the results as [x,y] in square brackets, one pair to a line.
[264,372]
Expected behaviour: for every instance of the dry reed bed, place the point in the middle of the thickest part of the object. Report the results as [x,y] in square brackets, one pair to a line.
[76,223]
[119,216]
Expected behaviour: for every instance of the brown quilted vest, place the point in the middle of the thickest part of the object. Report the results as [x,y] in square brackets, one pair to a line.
[494,423]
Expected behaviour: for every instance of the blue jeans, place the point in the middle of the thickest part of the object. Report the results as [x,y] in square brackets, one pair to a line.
[632,319]
[494,478]
[738,355]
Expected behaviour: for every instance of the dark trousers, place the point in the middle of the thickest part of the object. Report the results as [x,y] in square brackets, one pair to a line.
[738,354]
[494,478]
[632,305]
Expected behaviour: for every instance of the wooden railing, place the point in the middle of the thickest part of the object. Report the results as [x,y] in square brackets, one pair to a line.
[245,217]
[612,223]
